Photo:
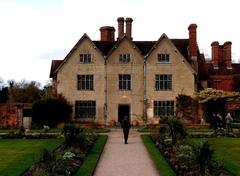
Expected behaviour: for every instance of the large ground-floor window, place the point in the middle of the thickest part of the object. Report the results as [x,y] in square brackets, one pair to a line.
[163,108]
[85,109]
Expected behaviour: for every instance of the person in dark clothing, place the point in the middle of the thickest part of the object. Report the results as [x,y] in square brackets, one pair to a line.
[214,121]
[125,126]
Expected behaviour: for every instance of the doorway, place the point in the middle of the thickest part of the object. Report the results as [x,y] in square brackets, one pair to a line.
[123,110]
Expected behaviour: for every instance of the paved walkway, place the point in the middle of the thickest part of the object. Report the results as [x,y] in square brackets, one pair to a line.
[119,159]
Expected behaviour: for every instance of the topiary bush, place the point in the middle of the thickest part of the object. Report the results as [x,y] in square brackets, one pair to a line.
[51,111]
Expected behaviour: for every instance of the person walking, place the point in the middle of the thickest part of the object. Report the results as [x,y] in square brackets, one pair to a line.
[125,126]
[229,120]
[219,120]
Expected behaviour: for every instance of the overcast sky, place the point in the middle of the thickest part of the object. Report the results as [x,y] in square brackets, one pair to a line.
[33,32]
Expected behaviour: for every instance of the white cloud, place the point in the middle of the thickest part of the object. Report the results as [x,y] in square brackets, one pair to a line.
[31,32]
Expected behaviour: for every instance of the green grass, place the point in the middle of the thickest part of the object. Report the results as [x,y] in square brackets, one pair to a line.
[227,150]
[16,155]
[89,165]
[161,164]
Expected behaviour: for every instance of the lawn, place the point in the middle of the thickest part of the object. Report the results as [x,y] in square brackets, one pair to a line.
[18,154]
[227,150]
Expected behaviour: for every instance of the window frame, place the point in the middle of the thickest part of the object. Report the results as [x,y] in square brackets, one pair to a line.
[163,82]
[124,58]
[85,109]
[124,84]
[85,58]
[85,82]
[163,58]
[163,108]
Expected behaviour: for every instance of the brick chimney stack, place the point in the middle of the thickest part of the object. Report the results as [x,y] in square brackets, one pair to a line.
[228,54]
[215,54]
[120,27]
[107,33]
[192,40]
[129,28]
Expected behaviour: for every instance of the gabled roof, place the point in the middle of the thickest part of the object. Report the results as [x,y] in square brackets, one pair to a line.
[85,36]
[119,42]
[54,66]
[180,46]
[144,46]
[105,48]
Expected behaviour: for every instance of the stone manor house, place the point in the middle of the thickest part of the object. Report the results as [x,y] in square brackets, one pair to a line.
[110,78]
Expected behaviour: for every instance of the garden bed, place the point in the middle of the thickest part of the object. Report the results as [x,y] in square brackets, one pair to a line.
[68,158]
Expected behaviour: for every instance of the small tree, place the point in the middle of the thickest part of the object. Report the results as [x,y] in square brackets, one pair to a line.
[51,111]
[204,154]
[176,128]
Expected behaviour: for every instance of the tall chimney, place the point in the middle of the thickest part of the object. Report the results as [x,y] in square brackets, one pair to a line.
[107,33]
[215,56]
[228,54]
[192,40]
[129,28]
[120,27]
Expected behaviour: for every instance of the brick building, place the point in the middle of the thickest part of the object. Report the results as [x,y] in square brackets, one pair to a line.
[222,73]
[108,79]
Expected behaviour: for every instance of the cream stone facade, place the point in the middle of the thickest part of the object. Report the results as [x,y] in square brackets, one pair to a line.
[183,75]
[138,97]
[67,77]
[134,97]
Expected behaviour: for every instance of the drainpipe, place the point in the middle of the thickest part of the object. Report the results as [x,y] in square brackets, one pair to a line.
[105,91]
[145,90]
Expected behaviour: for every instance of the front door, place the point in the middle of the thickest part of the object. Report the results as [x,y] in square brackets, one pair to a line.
[123,110]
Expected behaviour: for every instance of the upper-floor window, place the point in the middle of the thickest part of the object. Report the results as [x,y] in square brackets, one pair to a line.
[124,58]
[163,82]
[85,109]
[85,58]
[163,108]
[163,58]
[85,82]
[124,82]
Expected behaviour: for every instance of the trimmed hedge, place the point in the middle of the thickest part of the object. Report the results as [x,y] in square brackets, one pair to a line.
[89,165]
[161,164]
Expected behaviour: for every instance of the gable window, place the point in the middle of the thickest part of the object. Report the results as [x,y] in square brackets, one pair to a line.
[163,108]
[163,58]
[85,82]
[124,82]
[124,58]
[85,58]
[85,109]
[163,82]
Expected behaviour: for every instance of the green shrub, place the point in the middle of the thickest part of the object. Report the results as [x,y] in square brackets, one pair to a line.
[204,154]
[77,137]
[176,128]
[51,111]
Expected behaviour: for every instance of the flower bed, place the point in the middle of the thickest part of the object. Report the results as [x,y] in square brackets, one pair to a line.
[67,159]
[186,159]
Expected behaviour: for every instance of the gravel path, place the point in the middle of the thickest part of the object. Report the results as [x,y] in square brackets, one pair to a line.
[119,159]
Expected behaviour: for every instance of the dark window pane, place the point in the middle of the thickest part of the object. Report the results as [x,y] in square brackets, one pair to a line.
[163,108]
[124,82]
[85,82]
